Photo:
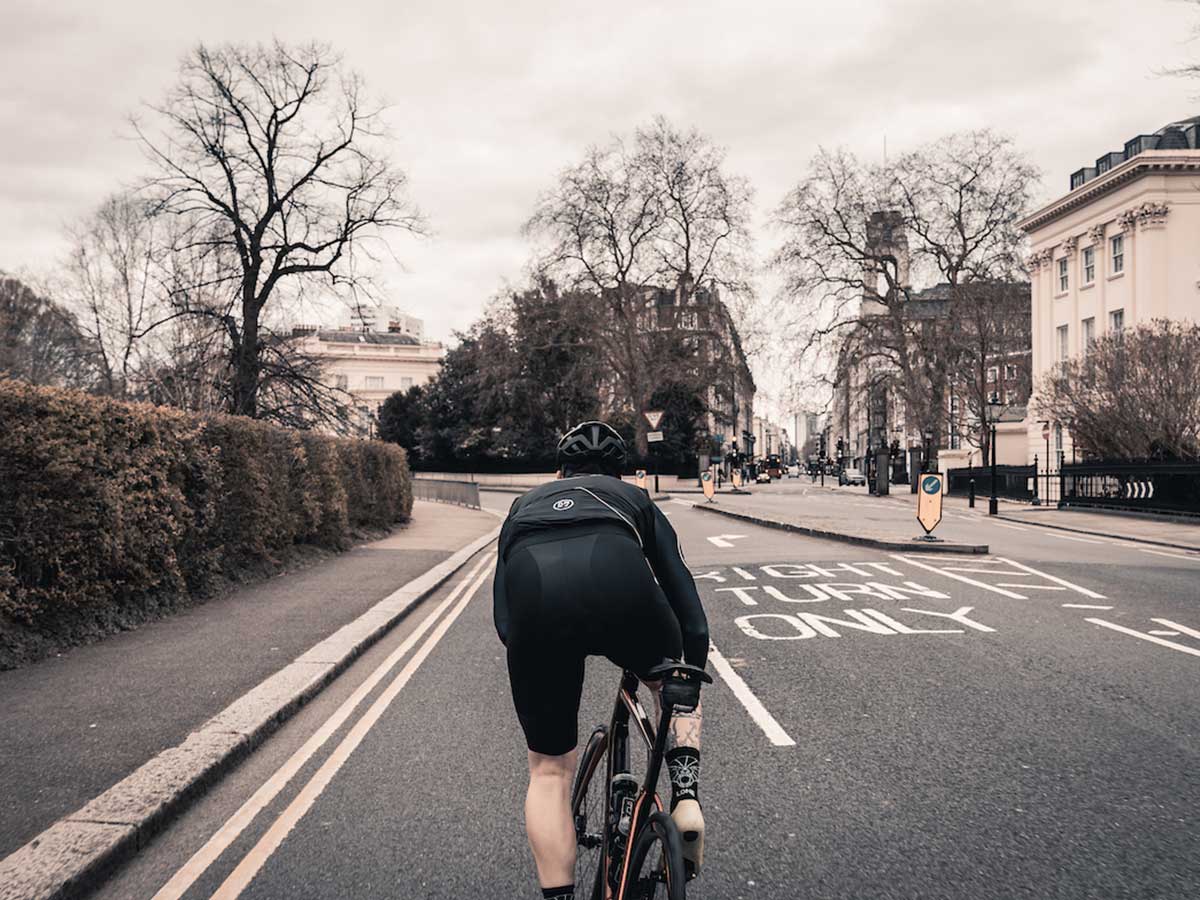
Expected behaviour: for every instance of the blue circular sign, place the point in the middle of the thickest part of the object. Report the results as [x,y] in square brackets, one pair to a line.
[931,485]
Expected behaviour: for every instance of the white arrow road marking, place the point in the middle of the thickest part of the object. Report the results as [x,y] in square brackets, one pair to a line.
[949,574]
[773,730]
[724,540]
[1054,578]
[1146,637]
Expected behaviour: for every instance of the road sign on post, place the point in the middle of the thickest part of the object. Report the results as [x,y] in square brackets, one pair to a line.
[654,437]
[653,417]
[640,478]
[929,503]
[710,487]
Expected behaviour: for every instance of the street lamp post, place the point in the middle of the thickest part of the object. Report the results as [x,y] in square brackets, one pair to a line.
[993,501]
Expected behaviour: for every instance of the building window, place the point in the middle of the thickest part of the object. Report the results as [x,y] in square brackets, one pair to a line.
[1116,320]
[1089,265]
[1118,254]
[374,382]
[1089,334]
[1063,279]
[991,374]
[405,383]
[1064,346]
[341,382]
[1010,372]
[1058,438]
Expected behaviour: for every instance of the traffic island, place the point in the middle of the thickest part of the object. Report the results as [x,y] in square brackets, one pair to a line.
[910,546]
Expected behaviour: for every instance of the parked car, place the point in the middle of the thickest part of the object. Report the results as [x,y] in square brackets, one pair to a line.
[763,477]
[852,476]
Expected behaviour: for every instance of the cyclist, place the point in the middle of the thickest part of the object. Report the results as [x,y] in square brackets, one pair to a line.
[588,565]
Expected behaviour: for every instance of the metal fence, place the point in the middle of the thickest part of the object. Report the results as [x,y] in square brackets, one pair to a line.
[463,493]
[1013,482]
[1151,486]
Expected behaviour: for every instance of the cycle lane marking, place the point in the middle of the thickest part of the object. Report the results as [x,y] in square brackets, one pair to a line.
[256,858]
[762,718]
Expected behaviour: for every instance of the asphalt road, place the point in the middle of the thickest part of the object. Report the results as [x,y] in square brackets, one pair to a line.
[1018,725]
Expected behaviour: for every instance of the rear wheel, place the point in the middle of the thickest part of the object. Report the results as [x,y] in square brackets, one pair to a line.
[588,808]
[656,864]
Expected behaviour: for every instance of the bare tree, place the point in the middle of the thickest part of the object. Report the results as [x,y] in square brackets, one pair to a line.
[272,162]
[627,222]
[39,341]
[862,242]
[1132,395]
[109,282]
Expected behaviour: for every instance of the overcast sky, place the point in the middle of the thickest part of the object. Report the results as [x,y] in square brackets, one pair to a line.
[490,99]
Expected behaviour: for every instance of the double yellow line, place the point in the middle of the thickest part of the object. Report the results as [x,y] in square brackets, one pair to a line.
[250,865]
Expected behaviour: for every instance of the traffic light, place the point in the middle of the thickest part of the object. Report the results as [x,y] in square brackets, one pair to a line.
[821,446]
[841,446]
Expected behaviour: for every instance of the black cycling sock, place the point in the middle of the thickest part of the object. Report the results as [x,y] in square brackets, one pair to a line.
[684,765]
[566,892]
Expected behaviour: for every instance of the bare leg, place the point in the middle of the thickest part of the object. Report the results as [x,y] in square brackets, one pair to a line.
[548,817]
[685,725]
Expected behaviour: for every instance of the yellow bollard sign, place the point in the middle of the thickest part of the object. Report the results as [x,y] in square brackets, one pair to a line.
[930,486]
[710,486]
[737,478]
[640,477]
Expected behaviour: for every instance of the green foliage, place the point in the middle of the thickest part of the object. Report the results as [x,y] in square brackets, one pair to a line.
[106,505]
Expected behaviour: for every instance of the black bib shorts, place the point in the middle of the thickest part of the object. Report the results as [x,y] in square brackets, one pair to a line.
[573,592]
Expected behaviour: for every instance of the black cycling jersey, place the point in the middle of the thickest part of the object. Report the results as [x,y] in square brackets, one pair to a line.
[581,499]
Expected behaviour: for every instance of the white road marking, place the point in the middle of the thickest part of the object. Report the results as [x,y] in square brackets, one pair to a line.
[1031,587]
[1164,633]
[1146,637]
[250,865]
[1171,555]
[1190,632]
[771,728]
[182,880]
[963,578]
[1054,578]
[1081,540]
[1006,525]
[1084,606]
[724,540]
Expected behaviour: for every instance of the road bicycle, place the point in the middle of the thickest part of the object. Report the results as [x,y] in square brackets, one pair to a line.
[629,847]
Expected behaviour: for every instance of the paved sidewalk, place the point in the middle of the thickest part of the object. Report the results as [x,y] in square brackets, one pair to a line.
[1165,532]
[77,723]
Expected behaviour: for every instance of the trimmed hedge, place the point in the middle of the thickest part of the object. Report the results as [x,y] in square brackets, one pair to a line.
[108,507]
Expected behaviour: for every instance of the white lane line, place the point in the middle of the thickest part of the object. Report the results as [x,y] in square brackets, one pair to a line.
[1013,527]
[1068,537]
[1084,606]
[1171,555]
[985,571]
[963,578]
[1163,633]
[240,878]
[182,880]
[1146,637]
[1054,578]
[1190,632]
[1031,587]
[773,730]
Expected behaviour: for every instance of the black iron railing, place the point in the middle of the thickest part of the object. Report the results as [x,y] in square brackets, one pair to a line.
[1152,486]
[1013,482]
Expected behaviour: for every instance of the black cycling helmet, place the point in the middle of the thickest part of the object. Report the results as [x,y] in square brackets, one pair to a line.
[594,446]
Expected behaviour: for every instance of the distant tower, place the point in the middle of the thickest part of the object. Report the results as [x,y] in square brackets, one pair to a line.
[887,246]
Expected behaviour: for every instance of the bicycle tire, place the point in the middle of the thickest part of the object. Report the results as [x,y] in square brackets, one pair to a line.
[656,869]
[589,799]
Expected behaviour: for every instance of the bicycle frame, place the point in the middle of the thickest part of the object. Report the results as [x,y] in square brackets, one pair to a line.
[628,708]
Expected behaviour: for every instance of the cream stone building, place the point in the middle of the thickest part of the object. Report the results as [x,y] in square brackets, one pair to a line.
[1122,247]
[373,359]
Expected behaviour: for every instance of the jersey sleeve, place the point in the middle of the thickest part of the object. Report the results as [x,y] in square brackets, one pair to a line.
[666,559]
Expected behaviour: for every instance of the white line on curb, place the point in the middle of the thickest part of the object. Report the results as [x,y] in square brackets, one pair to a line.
[241,876]
[182,880]
[763,719]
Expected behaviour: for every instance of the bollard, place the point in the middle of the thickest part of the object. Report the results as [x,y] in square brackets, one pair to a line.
[971,493]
